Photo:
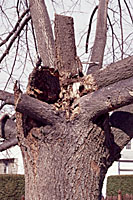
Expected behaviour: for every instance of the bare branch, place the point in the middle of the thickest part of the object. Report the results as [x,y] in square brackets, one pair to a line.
[112,37]
[27,44]
[108,98]
[100,37]
[8,143]
[128,10]
[43,29]
[34,37]
[121,25]
[14,37]
[10,76]
[89,29]
[15,27]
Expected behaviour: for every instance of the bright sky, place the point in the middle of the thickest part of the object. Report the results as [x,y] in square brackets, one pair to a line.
[81,12]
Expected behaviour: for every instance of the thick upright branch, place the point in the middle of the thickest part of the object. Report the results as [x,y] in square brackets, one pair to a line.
[65,46]
[100,37]
[43,31]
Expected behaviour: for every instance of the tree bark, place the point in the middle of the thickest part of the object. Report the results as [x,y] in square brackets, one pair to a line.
[64,44]
[100,37]
[43,30]
[67,156]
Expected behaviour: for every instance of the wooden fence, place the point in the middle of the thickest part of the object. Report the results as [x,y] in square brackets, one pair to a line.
[119,197]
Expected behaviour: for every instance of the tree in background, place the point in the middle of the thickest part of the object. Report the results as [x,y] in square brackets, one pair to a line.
[62,124]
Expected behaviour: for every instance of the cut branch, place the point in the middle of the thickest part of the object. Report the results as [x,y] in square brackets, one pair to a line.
[36,109]
[65,49]
[7,97]
[33,108]
[9,129]
[124,121]
[113,73]
[121,122]
[8,143]
[107,99]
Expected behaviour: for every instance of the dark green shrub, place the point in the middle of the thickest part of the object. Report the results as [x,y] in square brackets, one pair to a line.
[11,186]
[119,182]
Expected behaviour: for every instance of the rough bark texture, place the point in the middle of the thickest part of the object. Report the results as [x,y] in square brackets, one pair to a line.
[113,73]
[67,138]
[64,44]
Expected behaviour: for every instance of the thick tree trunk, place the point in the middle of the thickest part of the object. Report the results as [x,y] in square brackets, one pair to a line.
[69,163]
[63,133]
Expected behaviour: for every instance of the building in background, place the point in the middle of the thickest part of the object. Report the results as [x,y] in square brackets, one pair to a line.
[11,161]
[122,167]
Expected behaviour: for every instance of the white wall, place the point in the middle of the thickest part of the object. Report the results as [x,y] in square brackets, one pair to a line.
[14,152]
[126,154]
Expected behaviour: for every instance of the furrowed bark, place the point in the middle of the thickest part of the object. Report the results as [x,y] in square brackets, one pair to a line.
[113,73]
[68,158]
[66,62]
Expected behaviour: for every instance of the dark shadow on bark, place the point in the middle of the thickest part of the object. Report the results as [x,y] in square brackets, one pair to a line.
[124,121]
[103,121]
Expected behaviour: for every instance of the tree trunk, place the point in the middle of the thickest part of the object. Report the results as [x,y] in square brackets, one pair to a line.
[66,136]
[68,163]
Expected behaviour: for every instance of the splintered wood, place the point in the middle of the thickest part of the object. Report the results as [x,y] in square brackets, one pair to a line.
[69,97]
[72,83]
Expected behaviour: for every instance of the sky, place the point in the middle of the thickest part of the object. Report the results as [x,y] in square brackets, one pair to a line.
[81,11]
